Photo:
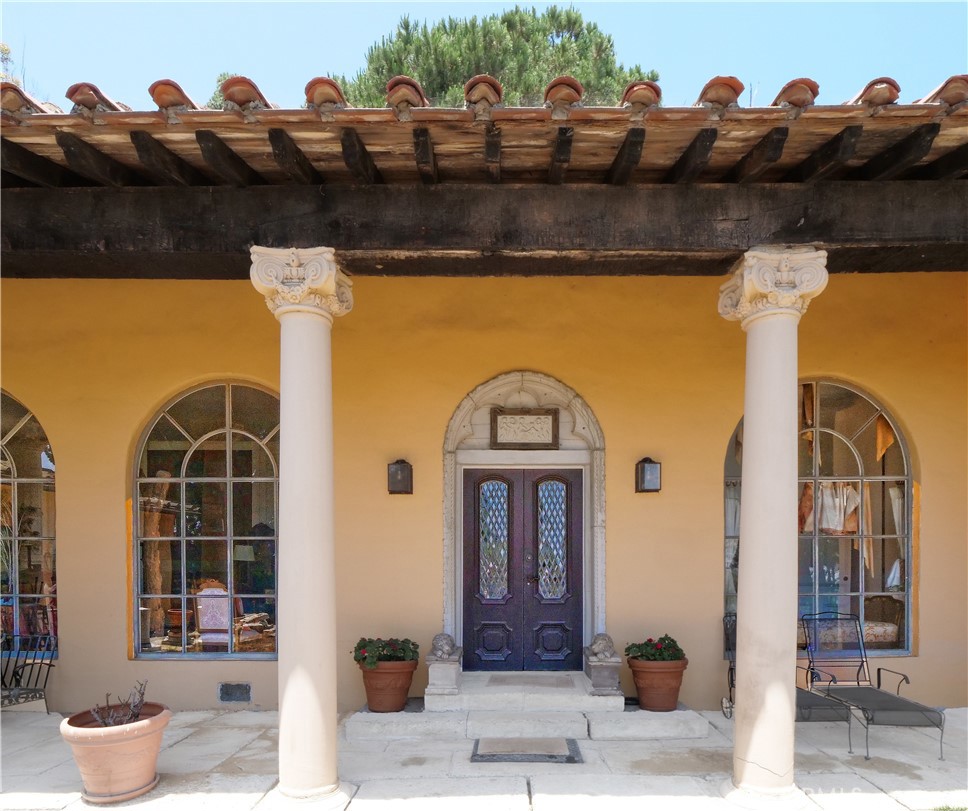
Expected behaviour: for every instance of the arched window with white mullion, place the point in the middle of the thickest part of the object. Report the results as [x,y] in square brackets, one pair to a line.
[854,513]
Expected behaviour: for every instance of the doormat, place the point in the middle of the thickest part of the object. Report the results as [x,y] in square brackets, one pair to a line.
[526,750]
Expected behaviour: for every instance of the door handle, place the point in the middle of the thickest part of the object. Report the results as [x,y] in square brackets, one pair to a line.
[532,580]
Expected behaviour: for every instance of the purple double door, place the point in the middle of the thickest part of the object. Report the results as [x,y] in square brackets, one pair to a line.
[522,569]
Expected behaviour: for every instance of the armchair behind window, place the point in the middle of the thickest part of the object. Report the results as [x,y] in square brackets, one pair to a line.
[217,617]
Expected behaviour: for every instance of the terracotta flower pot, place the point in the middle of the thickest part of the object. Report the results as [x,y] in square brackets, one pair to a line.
[387,685]
[657,683]
[120,762]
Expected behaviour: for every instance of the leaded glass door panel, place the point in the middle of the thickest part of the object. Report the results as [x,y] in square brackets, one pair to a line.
[522,569]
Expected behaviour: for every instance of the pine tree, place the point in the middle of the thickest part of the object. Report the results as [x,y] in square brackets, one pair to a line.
[522,49]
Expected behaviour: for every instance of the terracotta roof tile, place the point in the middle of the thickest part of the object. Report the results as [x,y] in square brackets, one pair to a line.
[563,90]
[952,91]
[323,90]
[877,92]
[243,92]
[167,93]
[483,88]
[405,90]
[721,90]
[87,96]
[797,93]
[642,92]
[13,99]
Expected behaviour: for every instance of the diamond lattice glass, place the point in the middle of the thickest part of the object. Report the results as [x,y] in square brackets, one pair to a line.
[494,539]
[552,535]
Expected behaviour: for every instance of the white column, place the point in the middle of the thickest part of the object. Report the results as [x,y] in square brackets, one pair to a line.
[305,289]
[768,292]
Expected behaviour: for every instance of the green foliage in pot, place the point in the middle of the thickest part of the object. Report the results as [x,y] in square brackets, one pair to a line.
[663,649]
[370,651]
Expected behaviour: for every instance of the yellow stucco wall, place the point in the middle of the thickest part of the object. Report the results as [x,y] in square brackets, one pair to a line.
[662,371]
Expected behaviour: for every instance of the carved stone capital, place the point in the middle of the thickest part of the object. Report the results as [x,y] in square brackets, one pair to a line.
[301,279]
[771,280]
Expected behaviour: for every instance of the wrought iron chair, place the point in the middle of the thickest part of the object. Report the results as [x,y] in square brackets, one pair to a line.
[27,662]
[811,706]
[835,642]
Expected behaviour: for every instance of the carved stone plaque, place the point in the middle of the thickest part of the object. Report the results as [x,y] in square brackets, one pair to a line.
[524,429]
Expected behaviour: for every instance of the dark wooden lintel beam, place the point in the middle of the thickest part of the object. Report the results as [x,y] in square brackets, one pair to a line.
[897,159]
[164,164]
[226,163]
[292,160]
[357,158]
[561,155]
[627,158]
[830,157]
[950,166]
[90,162]
[34,168]
[760,157]
[694,159]
[423,152]
[492,152]
[679,218]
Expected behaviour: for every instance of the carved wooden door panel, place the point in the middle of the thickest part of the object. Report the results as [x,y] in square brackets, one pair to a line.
[522,569]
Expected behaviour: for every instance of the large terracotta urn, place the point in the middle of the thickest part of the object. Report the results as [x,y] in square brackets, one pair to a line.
[117,762]
[387,685]
[657,683]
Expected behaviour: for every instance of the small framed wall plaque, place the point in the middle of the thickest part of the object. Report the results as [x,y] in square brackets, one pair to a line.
[524,429]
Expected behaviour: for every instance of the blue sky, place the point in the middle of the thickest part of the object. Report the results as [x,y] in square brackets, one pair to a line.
[125,46]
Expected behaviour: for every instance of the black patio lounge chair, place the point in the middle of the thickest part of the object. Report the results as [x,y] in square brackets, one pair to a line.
[835,642]
[811,705]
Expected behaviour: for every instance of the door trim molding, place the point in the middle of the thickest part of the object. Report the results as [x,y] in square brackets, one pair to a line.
[582,445]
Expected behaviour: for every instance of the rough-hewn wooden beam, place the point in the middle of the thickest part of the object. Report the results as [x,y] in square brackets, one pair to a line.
[760,157]
[357,157]
[627,157]
[423,152]
[164,164]
[670,219]
[492,152]
[830,157]
[23,163]
[897,159]
[561,155]
[224,162]
[9,181]
[950,166]
[694,159]
[291,159]
[90,162]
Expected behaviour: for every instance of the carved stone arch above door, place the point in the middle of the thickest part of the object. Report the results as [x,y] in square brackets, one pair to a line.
[581,441]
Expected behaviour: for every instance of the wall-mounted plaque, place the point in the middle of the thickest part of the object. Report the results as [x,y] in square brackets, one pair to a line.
[524,429]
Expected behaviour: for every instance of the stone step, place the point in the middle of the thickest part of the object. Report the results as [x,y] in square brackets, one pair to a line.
[631,725]
[524,692]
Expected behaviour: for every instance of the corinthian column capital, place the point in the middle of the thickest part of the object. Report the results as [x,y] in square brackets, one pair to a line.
[301,279]
[771,280]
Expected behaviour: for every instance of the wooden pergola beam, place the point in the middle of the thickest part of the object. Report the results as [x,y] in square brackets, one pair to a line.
[691,162]
[679,218]
[357,158]
[492,152]
[164,164]
[760,158]
[826,160]
[90,162]
[423,153]
[224,162]
[560,155]
[35,169]
[627,158]
[291,159]
[950,166]
[897,159]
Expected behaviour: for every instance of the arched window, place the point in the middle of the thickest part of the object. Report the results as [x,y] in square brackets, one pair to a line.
[205,526]
[28,574]
[853,517]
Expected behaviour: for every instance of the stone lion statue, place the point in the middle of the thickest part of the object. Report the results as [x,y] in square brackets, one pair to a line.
[443,646]
[602,647]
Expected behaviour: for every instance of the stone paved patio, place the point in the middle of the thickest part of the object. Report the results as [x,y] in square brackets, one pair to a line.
[227,760]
